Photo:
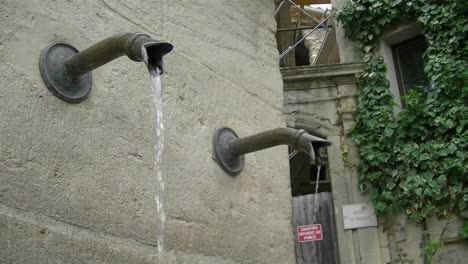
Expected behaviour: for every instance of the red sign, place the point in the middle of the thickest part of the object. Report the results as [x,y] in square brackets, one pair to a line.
[309,233]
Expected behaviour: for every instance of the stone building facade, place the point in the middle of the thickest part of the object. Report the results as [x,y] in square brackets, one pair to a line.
[322,100]
[78,181]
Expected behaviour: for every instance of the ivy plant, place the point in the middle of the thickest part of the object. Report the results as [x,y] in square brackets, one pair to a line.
[414,161]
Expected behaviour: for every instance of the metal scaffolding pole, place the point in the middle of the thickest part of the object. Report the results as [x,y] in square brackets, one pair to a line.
[303,11]
[303,38]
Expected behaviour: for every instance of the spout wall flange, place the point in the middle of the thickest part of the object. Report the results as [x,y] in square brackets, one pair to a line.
[230,163]
[56,79]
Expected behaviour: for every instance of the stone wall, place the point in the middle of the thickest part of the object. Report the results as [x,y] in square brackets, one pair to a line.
[313,42]
[77,181]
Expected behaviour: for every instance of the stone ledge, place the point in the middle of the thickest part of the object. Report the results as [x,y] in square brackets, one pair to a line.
[321,71]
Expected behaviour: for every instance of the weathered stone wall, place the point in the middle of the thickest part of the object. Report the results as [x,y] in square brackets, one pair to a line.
[77,182]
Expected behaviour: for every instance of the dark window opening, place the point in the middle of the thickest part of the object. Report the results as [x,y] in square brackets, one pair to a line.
[409,64]
[301,53]
[313,174]
[304,174]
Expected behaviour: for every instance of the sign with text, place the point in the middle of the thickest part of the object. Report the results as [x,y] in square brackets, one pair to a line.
[359,216]
[308,233]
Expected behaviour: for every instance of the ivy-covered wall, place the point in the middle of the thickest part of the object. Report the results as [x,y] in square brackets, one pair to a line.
[413,162]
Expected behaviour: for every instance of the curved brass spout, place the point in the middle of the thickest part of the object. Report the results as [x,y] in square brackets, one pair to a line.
[67,72]
[229,149]
[134,45]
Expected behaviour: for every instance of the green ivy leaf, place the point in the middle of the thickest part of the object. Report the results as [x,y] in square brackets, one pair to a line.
[396,2]
[388,132]
[414,162]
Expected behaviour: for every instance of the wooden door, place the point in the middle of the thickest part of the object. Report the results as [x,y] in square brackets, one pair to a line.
[324,251]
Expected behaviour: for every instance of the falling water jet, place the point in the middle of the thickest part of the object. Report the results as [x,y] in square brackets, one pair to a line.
[66,72]
[158,148]
[156,91]
[317,182]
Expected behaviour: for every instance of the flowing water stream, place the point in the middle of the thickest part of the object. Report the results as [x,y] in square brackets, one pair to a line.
[156,90]
[317,181]
[318,161]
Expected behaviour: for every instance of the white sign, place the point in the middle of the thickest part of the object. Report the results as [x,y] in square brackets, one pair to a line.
[358,216]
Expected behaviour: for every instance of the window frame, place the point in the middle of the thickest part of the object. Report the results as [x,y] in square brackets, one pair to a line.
[397,63]
[398,33]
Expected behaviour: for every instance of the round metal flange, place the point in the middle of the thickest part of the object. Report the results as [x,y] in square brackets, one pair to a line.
[52,67]
[231,164]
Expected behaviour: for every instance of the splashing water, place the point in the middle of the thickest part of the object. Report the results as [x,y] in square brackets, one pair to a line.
[155,79]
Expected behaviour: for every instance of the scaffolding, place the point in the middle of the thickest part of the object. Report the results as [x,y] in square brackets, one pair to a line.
[283,9]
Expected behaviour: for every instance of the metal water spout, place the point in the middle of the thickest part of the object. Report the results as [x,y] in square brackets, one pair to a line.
[229,149]
[67,72]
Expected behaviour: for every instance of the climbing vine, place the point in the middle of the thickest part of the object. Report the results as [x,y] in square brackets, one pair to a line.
[415,161]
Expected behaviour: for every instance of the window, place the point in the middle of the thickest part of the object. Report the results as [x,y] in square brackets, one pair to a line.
[409,66]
